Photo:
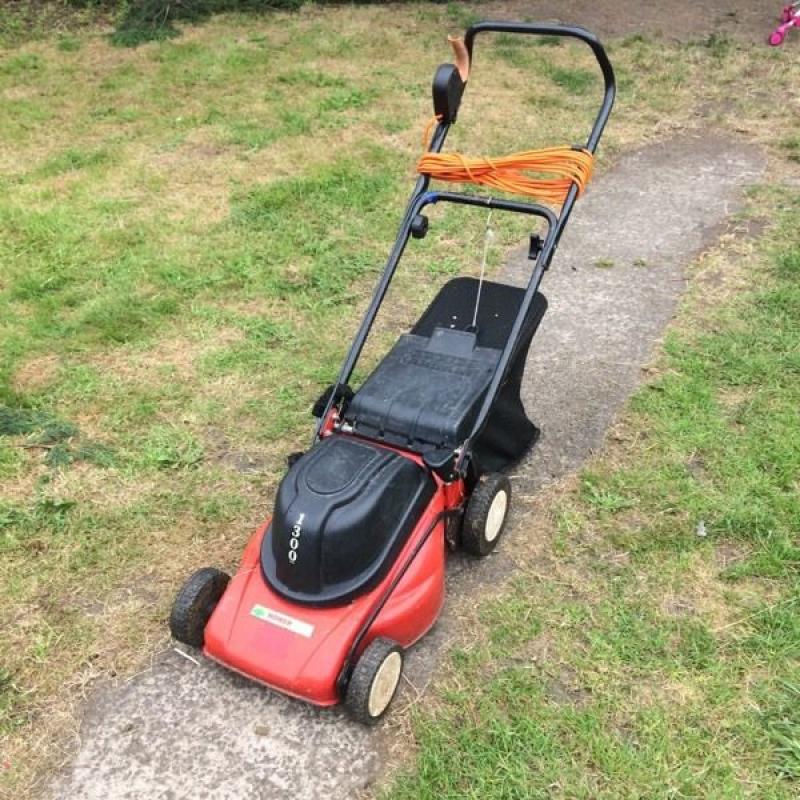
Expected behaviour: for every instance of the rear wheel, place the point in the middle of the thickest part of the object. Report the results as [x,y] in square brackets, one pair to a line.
[486,513]
[374,681]
[195,603]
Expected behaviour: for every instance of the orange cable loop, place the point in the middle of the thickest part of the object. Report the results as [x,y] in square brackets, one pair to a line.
[510,173]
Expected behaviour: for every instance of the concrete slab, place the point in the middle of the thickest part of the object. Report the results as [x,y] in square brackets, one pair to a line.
[192,730]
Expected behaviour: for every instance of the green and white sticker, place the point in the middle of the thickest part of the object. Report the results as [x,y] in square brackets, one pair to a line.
[282,620]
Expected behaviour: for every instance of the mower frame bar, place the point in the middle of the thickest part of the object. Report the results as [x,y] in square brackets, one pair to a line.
[421,197]
[347,666]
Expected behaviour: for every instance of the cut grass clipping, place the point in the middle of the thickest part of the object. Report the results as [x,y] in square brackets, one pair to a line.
[660,656]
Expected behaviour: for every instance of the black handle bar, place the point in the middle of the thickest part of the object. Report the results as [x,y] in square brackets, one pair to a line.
[567,31]
[420,197]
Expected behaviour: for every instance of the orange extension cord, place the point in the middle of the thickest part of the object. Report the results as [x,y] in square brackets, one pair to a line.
[508,174]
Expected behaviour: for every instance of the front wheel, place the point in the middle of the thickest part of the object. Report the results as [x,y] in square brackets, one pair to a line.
[374,681]
[195,603]
[486,514]
[776,38]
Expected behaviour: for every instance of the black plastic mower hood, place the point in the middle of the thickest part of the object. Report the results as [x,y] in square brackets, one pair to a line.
[342,515]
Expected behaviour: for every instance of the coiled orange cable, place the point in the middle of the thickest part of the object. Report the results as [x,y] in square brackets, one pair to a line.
[510,173]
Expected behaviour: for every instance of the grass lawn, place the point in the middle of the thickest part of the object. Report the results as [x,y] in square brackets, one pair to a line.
[189,229]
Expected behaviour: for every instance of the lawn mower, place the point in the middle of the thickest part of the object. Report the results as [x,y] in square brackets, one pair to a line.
[349,571]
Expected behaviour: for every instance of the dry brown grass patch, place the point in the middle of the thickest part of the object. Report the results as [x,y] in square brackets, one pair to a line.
[37,373]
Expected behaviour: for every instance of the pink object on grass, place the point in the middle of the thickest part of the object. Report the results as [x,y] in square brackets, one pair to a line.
[790,18]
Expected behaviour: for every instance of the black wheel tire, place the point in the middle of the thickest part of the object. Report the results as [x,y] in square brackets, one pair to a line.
[195,603]
[374,681]
[486,514]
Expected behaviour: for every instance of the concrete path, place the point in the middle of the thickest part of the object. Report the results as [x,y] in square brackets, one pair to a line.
[614,284]
[184,730]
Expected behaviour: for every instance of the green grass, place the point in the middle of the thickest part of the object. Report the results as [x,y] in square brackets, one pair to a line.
[73,160]
[781,716]
[189,231]
[668,673]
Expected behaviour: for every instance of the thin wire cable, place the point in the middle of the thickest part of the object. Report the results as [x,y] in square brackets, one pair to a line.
[487,238]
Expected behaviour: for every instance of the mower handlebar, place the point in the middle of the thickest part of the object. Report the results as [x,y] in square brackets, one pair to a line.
[567,31]
[447,92]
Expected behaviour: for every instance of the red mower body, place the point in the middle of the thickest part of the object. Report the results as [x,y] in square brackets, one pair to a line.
[300,649]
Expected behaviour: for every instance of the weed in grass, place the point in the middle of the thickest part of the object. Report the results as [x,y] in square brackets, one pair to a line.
[72,160]
[317,215]
[250,134]
[149,27]
[575,81]
[59,456]
[125,76]
[9,515]
[775,630]
[258,350]
[511,623]
[294,123]
[22,65]
[788,264]
[154,20]
[781,717]
[548,41]
[777,556]
[255,136]
[308,78]
[12,27]
[602,497]
[69,44]
[22,526]
[122,318]
[633,41]
[9,699]
[220,509]
[513,51]
[791,145]
[341,99]
[171,448]
[12,461]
